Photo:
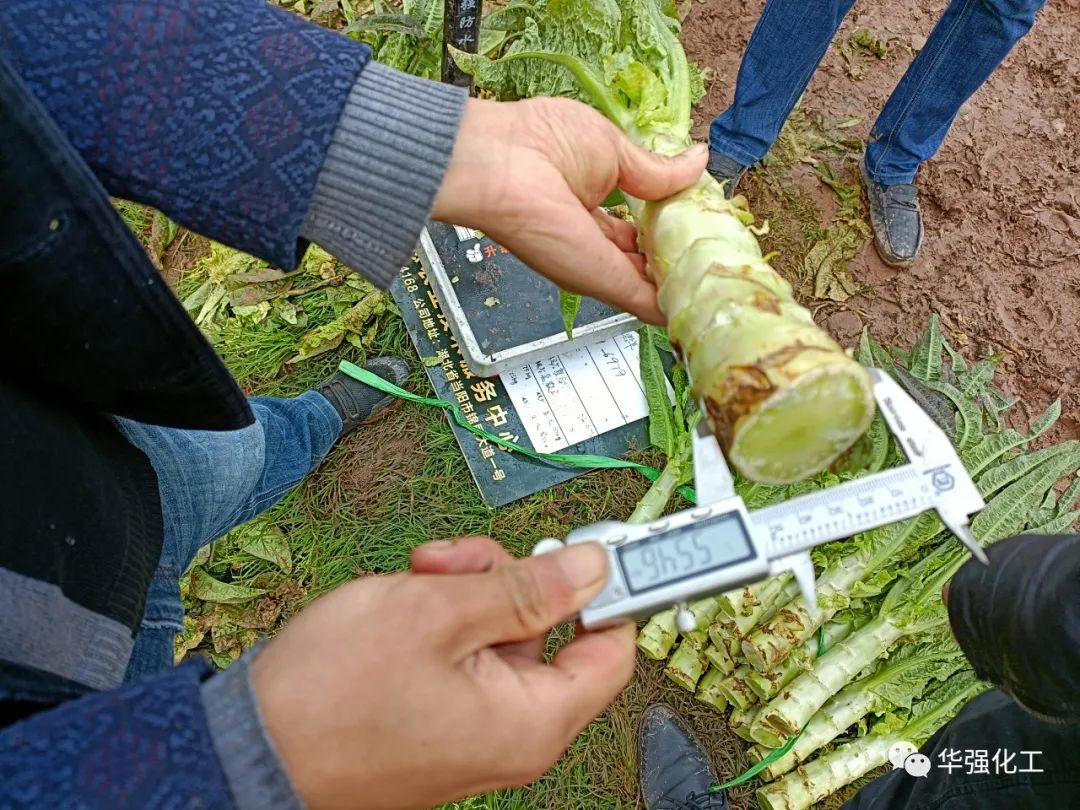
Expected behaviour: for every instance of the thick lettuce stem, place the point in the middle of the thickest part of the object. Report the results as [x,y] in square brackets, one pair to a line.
[768,685]
[856,700]
[771,643]
[688,663]
[736,690]
[750,600]
[719,659]
[653,503]
[724,635]
[786,714]
[782,396]
[814,781]
[658,635]
[781,593]
[707,691]
[839,714]
[740,721]
[824,776]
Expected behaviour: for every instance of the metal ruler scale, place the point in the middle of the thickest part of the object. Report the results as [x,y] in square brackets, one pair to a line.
[865,503]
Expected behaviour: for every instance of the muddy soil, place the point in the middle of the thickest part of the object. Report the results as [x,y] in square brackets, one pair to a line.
[1001,200]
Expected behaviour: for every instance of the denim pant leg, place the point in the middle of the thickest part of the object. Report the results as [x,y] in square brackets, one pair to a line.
[212,481]
[969,41]
[788,43]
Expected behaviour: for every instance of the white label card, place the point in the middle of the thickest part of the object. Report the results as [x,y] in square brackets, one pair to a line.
[579,394]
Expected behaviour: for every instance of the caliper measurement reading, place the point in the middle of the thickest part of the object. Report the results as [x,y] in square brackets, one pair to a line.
[693,550]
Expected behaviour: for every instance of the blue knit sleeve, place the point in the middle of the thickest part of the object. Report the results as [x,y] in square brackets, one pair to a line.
[144,745]
[219,114]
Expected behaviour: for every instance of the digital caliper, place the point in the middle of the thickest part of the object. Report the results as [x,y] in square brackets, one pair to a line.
[719,545]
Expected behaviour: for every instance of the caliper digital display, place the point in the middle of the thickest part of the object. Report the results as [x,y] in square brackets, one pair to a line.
[696,548]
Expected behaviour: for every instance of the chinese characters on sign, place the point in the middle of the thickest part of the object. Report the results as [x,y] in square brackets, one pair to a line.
[461,28]
[474,399]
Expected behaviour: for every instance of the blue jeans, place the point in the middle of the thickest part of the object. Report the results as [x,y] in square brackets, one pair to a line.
[967,44]
[211,482]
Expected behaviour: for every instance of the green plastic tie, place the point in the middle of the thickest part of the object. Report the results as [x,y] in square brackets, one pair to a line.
[754,770]
[579,460]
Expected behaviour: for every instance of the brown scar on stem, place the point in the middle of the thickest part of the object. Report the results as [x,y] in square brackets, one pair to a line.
[752,386]
[765,302]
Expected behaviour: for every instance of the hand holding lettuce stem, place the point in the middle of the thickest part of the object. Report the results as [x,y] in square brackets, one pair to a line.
[784,399]
[419,688]
[532,175]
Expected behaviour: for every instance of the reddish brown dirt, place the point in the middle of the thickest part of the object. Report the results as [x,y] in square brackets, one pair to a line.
[1001,259]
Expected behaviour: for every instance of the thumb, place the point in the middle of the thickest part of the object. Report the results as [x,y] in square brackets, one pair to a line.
[649,176]
[524,599]
[463,555]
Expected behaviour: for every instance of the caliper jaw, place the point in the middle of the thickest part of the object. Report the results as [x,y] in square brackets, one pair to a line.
[932,453]
[802,567]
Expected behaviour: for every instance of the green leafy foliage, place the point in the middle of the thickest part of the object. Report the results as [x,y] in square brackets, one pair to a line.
[203,586]
[664,427]
[623,56]
[279,317]
[926,355]
[262,539]
[905,674]
[569,305]
[826,261]
[406,36]
[941,704]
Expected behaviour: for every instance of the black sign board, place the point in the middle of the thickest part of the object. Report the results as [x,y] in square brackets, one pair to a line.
[461,28]
[501,476]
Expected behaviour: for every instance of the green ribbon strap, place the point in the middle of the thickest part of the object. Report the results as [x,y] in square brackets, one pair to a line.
[581,460]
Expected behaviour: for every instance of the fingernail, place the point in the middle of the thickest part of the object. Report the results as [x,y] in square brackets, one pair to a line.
[697,151]
[584,564]
[438,545]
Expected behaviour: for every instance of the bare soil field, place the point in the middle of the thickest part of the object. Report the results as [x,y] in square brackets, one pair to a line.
[1001,200]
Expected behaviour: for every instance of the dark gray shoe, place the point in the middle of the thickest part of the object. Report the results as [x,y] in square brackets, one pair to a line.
[357,403]
[895,218]
[675,771]
[726,171]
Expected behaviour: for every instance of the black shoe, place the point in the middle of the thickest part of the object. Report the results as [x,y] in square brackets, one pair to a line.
[726,171]
[675,771]
[895,218]
[357,403]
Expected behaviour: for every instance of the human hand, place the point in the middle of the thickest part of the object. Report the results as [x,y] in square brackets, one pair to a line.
[532,174]
[410,690]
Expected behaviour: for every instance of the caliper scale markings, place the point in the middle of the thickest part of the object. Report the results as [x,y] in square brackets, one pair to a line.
[810,520]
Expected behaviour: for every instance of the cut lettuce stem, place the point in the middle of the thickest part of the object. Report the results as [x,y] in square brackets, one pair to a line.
[688,663]
[899,680]
[707,691]
[814,781]
[768,685]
